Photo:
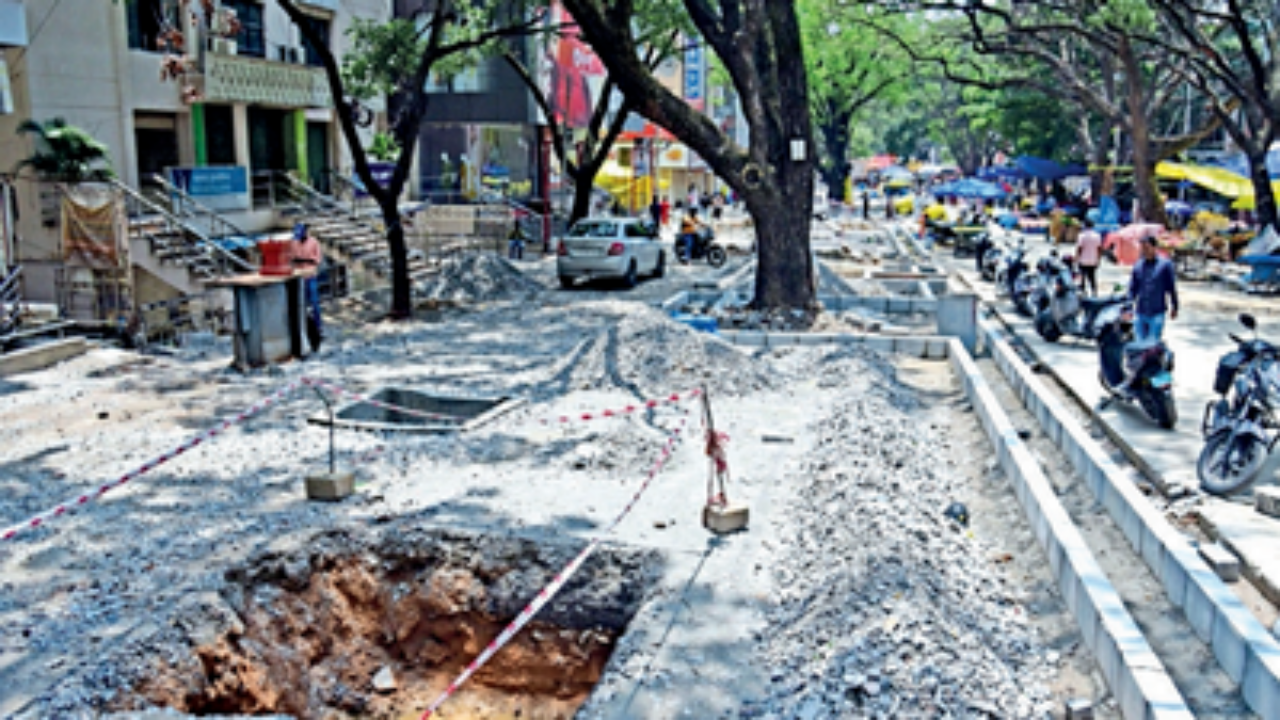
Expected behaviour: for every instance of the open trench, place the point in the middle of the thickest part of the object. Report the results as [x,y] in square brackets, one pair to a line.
[346,628]
[1190,662]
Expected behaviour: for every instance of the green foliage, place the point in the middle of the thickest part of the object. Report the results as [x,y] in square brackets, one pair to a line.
[384,148]
[382,58]
[1126,15]
[65,153]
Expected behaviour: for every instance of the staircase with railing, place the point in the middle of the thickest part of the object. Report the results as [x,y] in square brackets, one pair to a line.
[194,213]
[348,234]
[174,248]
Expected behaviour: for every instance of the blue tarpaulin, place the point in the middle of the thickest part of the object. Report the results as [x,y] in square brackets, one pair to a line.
[1239,164]
[1001,173]
[970,188]
[1042,169]
[235,242]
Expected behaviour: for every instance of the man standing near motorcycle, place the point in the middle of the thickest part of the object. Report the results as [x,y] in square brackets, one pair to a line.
[1088,255]
[1153,290]
[688,233]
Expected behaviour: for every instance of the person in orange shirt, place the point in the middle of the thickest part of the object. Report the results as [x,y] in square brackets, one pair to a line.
[307,257]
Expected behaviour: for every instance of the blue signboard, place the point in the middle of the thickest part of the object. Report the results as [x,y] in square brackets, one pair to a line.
[694,72]
[220,188]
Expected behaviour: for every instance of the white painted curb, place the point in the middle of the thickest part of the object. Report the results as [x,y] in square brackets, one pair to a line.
[1243,647]
[1132,670]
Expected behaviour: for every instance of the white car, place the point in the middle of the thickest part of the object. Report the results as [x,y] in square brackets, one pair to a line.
[610,247]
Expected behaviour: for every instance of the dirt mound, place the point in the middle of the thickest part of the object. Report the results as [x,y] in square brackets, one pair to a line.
[477,278]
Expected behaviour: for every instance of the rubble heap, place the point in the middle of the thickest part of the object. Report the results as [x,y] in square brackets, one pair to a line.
[479,277]
[883,607]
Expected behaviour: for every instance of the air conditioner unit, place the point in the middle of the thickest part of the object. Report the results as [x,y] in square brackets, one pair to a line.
[224,46]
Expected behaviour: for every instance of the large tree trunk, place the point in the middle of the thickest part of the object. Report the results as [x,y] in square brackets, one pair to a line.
[1263,197]
[1144,170]
[835,140]
[782,235]
[401,291]
[581,198]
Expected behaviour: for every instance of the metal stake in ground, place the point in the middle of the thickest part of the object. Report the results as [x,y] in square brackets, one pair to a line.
[718,515]
[328,406]
[332,485]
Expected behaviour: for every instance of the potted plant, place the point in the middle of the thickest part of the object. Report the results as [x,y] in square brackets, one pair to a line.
[64,153]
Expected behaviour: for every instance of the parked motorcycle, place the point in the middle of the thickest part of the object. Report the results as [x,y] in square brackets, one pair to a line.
[704,246]
[1012,266]
[1071,313]
[1240,427]
[1150,364]
[993,260]
[1036,292]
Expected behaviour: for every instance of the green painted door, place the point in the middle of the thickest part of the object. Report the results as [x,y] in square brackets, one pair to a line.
[318,155]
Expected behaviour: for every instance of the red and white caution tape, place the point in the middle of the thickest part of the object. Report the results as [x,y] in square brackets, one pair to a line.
[623,411]
[274,399]
[557,583]
[150,465]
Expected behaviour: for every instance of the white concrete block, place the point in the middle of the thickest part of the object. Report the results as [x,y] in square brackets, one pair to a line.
[1222,561]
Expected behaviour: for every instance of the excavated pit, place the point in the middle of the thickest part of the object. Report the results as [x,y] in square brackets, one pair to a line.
[312,632]
[446,413]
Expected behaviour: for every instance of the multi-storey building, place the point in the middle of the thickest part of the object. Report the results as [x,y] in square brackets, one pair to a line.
[264,106]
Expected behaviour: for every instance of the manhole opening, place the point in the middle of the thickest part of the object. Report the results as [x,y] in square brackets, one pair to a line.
[315,633]
[448,414]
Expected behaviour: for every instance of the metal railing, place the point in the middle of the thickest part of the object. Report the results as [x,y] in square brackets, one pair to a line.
[10,300]
[200,250]
[270,190]
[192,210]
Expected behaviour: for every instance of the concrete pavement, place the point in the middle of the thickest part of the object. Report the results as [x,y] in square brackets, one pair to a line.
[1198,338]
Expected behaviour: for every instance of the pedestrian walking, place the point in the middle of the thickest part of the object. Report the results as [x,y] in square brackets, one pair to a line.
[515,241]
[1154,291]
[666,211]
[307,257]
[1088,256]
[655,212]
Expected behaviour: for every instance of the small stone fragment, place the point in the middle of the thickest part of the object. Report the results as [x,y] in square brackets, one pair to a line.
[384,681]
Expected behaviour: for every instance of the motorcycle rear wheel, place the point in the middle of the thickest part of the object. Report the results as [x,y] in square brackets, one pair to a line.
[716,256]
[1160,407]
[1047,326]
[1223,472]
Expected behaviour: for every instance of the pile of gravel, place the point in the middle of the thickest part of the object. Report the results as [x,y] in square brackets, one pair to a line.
[477,278]
[883,607]
[649,354]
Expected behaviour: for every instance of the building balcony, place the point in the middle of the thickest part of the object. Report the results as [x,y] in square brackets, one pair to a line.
[237,79]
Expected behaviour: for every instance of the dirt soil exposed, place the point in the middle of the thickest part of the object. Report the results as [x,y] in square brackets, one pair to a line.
[343,627]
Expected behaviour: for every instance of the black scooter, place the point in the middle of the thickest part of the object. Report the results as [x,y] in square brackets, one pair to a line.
[704,246]
[1150,363]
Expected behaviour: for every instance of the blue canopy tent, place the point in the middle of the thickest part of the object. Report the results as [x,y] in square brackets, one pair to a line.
[994,174]
[1048,170]
[970,188]
[1239,164]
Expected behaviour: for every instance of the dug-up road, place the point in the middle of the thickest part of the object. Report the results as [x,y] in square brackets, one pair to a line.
[850,595]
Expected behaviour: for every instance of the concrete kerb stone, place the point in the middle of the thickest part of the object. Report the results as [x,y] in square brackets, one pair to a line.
[1132,670]
[39,357]
[928,347]
[1242,646]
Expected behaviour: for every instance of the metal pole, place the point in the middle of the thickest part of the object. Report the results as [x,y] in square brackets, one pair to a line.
[329,407]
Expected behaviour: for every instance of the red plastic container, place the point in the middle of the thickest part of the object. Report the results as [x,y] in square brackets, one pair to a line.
[277,257]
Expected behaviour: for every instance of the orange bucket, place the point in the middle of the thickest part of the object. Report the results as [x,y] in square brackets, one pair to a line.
[277,257]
